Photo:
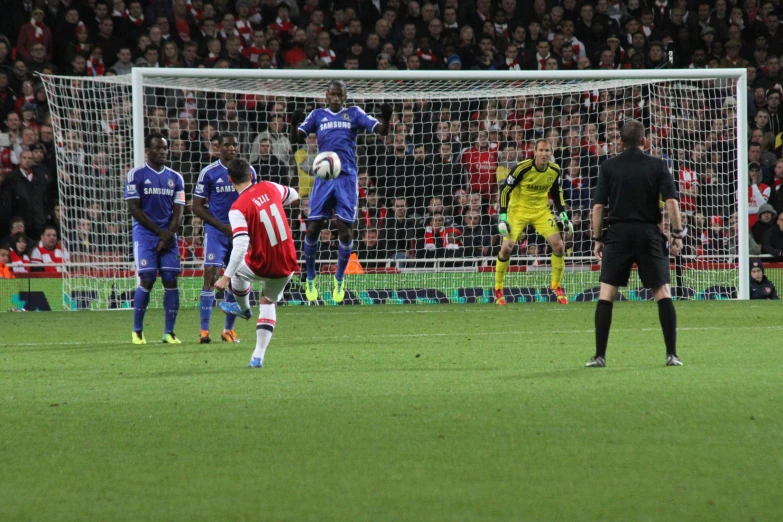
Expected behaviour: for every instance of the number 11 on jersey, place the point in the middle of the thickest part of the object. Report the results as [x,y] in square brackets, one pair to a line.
[270,230]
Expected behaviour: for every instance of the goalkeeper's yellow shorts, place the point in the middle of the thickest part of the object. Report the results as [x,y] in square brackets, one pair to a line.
[543,221]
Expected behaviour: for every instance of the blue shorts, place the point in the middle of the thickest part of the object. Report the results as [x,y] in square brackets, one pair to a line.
[217,247]
[149,260]
[339,196]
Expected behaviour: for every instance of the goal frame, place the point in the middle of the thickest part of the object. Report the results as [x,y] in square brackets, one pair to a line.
[138,75]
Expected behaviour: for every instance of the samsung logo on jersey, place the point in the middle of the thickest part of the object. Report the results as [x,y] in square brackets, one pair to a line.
[335,125]
[539,187]
[224,189]
[158,191]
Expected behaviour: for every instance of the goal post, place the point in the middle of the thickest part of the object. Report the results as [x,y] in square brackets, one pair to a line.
[108,117]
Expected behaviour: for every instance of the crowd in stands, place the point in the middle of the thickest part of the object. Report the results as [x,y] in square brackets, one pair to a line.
[428,189]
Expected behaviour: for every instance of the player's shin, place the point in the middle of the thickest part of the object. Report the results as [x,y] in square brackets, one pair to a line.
[558,267]
[603,323]
[311,253]
[140,301]
[170,308]
[264,328]
[343,256]
[170,301]
[240,290]
[501,267]
[668,317]
[207,301]
[231,319]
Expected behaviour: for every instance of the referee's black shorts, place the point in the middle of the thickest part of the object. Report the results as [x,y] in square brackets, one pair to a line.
[640,243]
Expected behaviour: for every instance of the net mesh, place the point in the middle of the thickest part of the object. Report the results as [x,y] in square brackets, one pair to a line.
[428,190]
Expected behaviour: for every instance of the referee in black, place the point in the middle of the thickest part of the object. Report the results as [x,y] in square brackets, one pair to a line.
[632,186]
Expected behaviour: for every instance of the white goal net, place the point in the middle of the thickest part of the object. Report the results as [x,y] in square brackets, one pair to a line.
[426,228]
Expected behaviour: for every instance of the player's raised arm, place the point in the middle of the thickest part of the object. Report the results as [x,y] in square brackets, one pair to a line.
[370,124]
[385,122]
[301,126]
[287,194]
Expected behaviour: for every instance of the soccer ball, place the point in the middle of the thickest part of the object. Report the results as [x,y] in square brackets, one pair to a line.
[327,165]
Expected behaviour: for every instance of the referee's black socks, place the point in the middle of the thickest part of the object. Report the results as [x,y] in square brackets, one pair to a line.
[603,322]
[668,317]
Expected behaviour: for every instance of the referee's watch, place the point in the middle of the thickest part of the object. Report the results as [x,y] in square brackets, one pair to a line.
[599,239]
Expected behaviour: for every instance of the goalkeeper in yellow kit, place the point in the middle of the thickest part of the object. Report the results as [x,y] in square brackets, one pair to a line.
[524,200]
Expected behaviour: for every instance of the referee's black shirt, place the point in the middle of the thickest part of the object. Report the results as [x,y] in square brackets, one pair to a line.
[632,186]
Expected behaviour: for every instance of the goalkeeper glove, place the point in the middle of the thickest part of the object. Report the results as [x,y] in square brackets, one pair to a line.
[503,227]
[567,225]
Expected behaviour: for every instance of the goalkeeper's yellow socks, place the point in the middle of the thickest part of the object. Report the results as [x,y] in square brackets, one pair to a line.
[501,267]
[558,267]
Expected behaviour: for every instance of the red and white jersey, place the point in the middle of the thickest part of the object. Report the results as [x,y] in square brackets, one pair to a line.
[254,53]
[688,181]
[481,166]
[20,264]
[765,193]
[451,238]
[41,254]
[259,214]
[577,46]
[327,55]
[756,202]
[541,61]
[280,26]
[245,31]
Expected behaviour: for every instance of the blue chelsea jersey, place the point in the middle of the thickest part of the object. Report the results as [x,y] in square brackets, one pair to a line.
[214,186]
[158,192]
[336,132]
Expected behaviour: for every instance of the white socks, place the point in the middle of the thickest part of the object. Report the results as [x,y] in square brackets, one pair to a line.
[264,328]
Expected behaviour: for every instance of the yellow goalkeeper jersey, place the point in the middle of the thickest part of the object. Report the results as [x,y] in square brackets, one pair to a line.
[527,189]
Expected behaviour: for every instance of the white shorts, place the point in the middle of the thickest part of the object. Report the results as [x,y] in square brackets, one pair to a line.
[271,288]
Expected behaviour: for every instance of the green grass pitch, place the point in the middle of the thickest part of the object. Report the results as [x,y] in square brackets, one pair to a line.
[420,413]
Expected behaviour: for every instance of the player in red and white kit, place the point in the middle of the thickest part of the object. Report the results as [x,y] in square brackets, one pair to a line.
[263,250]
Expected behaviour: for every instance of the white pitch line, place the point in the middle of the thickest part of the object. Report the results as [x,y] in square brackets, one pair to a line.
[334,310]
[415,335]
[479,310]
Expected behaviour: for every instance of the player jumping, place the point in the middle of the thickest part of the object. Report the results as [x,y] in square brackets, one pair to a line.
[156,199]
[336,128]
[213,186]
[524,200]
[263,250]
